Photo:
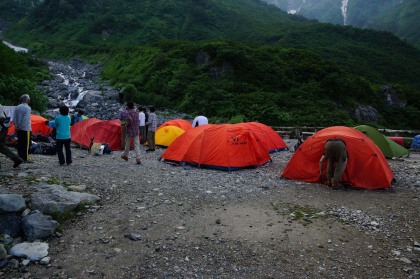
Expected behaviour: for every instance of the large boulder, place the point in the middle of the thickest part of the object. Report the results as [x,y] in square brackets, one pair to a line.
[12,203]
[37,225]
[56,199]
[366,114]
[93,96]
[392,97]
[52,104]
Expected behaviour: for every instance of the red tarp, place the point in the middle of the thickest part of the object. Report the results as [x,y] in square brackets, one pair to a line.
[366,165]
[104,131]
[225,146]
[399,140]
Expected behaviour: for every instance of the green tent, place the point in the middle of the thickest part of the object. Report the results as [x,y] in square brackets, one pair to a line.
[389,148]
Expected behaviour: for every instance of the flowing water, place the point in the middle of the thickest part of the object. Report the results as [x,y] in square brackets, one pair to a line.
[344,10]
[16,48]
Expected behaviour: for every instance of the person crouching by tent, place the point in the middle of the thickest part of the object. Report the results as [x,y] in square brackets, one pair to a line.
[336,153]
[51,124]
[63,136]
[132,132]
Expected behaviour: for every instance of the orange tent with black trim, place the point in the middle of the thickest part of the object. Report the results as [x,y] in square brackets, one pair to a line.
[225,147]
[366,165]
[37,125]
[180,123]
[272,141]
[103,131]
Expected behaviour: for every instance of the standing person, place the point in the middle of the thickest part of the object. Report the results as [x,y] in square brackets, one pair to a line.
[152,125]
[22,120]
[79,116]
[4,127]
[63,136]
[142,123]
[132,132]
[336,154]
[146,115]
[200,120]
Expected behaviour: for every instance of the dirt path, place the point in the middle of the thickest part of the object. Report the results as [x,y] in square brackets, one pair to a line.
[161,221]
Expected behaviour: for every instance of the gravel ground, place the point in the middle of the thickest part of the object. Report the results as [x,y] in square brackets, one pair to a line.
[161,221]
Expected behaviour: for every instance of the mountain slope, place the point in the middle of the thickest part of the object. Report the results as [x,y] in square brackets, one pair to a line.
[127,22]
[231,58]
[403,20]
[55,27]
[397,16]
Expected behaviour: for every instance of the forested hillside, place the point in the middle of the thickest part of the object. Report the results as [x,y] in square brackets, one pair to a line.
[19,74]
[233,59]
[403,21]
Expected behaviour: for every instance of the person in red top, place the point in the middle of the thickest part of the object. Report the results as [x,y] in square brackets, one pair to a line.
[132,132]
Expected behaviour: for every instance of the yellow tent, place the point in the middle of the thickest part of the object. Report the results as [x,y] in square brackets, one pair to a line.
[166,135]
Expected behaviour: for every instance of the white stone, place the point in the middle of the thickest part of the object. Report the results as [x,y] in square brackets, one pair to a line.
[45,261]
[405,260]
[32,251]
[396,253]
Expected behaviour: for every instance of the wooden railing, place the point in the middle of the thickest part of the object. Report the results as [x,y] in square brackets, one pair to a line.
[306,132]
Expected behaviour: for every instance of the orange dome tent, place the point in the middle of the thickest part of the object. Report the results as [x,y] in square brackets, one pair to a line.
[37,125]
[226,147]
[366,165]
[272,141]
[104,131]
[180,123]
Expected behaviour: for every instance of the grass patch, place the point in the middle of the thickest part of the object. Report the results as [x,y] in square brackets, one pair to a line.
[303,214]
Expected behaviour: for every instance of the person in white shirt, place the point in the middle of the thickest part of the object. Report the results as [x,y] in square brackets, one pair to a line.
[200,120]
[142,125]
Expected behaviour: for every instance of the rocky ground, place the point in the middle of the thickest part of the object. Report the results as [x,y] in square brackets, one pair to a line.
[161,221]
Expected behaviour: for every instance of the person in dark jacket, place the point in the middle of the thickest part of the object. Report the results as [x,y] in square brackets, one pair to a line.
[4,127]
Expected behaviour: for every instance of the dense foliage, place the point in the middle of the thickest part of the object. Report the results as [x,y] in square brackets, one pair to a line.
[229,80]
[19,75]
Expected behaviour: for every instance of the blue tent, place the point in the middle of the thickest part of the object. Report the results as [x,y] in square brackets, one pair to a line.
[416,142]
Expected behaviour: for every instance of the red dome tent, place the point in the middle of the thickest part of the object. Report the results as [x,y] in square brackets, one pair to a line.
[226,147]
[366,165]
[37,124]
[180,123]
[272,141]
[104,131]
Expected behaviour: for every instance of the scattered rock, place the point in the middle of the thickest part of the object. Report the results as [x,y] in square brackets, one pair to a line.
[34,251]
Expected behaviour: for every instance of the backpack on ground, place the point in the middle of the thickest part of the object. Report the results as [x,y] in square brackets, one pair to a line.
[48,148]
